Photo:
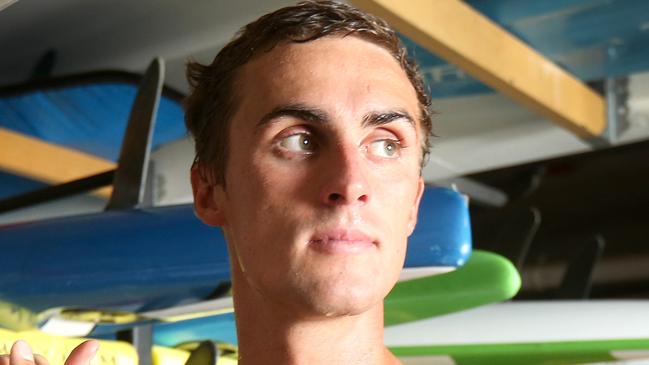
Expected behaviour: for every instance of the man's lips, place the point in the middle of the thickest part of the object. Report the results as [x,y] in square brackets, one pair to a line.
[341,240]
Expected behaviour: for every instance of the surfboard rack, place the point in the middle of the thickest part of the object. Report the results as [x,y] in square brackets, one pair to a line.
[578,278]
[141,337]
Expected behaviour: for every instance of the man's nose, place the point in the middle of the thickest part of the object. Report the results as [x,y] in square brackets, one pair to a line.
[346,180]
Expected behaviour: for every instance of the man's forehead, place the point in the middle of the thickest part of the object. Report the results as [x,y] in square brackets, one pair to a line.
[330,70]
[347,50]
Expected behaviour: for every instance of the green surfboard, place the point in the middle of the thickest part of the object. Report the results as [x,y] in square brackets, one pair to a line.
[486,278]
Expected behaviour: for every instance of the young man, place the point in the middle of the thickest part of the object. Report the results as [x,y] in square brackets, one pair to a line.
[311,127]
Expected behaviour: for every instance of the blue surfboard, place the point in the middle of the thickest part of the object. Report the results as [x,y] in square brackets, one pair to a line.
[145,259]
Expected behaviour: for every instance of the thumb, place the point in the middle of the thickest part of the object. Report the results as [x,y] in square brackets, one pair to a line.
[21,354]
[82,354]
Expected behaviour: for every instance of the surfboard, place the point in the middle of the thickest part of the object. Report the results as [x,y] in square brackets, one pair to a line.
[543,332]
[57,348]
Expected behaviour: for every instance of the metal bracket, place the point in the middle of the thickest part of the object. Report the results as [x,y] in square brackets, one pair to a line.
[517,235]
[141,337]
[616,93]
[578,278]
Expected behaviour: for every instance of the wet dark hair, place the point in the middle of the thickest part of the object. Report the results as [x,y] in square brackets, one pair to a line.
[212,101]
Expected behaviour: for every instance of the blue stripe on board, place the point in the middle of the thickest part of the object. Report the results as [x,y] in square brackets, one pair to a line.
[89,118]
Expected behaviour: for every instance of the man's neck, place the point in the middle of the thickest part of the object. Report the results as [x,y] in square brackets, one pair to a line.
[270,334]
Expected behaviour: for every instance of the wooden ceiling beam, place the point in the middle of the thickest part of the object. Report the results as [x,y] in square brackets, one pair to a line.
[463,36]
[47,162]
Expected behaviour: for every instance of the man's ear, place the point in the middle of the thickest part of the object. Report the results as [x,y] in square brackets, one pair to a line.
[209,197]
[412,219]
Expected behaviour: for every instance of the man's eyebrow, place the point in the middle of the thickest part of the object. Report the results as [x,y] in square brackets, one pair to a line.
[299,111]
[380,118]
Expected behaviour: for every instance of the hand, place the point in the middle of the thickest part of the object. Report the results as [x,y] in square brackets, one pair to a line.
[21,354]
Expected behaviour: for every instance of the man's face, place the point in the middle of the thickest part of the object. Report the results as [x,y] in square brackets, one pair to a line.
[322,183]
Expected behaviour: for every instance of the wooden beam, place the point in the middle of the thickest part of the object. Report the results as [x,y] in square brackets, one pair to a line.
[461,35]
[47,162]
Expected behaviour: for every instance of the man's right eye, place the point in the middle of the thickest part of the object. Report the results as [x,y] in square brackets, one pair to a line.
[300,142]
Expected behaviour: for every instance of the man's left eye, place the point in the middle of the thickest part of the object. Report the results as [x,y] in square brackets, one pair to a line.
[387,148]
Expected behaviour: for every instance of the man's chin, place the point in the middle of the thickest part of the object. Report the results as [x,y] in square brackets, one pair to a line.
[341,302]
[322,311]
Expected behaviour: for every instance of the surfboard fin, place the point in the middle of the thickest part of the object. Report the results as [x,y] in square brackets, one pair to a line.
[130,176]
